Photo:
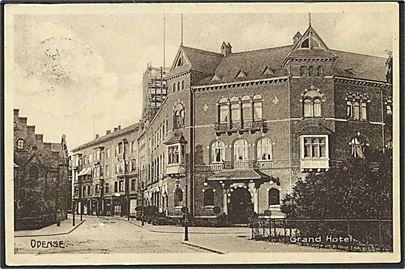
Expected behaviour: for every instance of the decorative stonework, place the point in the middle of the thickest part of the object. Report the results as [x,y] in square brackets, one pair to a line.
[275,81]
[205,108]
[275,100]
[361,82]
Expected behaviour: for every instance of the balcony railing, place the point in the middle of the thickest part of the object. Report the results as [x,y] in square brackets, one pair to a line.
[240,126]
[249,164]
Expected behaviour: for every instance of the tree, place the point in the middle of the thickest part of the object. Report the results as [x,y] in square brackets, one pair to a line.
[357,188]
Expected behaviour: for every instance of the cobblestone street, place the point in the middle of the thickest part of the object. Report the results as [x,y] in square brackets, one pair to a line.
[117,235]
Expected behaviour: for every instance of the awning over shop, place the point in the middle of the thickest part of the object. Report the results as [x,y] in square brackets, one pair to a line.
[238,175]
[86,171]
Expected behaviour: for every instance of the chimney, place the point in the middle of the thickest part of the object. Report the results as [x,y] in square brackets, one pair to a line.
[107,132]
[226,48]
[16,113]
[115,129]
[296,38]
[119,128]
[97,136]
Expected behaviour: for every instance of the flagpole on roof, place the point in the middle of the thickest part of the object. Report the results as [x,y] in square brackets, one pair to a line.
[181,29]
[164,41]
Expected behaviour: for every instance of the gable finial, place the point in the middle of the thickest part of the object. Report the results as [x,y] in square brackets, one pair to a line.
[309,19]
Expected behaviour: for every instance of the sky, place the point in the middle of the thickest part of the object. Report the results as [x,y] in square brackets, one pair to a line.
[81,74]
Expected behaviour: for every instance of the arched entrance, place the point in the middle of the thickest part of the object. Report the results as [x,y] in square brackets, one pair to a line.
[240,206]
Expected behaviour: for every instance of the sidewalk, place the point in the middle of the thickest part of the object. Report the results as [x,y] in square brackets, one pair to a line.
[243,244]
[66,227]
[191,230]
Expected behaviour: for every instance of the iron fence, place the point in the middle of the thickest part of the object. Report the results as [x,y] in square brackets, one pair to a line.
[336,233]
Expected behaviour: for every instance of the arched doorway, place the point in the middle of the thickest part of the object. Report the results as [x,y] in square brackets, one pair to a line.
[240,206]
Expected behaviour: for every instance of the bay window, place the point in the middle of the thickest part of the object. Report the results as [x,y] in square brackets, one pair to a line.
[314,152]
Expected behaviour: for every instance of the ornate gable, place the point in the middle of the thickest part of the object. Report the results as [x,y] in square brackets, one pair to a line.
[181,60]
[309,46]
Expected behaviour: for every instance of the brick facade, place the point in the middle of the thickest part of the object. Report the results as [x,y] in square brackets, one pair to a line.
[251,123]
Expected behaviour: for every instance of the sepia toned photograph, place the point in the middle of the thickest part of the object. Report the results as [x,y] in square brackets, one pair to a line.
[160,134]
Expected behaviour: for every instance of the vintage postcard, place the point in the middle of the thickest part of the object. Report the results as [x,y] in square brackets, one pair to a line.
[160,134]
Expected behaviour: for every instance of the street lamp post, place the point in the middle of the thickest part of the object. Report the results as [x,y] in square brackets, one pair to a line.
[186,216]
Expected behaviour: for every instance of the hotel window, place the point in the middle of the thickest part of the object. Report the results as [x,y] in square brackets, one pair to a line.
[305,43]
[264,149]
[208,197]
[356,108]
[115,186]
[319,71]
[246,109]
[274,197]
[303,70]
[235,110]
[173,154]
[107,170]
[107,188]
[121,186]
[178,197]
[240,150]
[312,104]
[363,111]
[178,116]
[358,146]
[174,87]
[257,107]
[178,86]
[20,144]
[218,152]
[311,71]
[223,110]
[389,107]
[133,165]
[314,147]
[182,85]
[133,184]
[349,109]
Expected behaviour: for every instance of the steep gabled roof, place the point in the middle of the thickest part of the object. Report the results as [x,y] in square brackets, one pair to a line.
[199,60]
[355,65]
[252,63]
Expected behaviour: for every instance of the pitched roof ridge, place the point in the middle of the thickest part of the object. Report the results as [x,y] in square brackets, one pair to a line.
[263,49]
[201,50]
[362,54]
[100,139]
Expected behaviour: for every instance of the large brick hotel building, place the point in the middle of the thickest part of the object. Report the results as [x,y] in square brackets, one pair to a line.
[236,130]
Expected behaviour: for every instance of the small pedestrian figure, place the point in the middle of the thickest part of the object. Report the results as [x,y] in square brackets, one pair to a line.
[58,217]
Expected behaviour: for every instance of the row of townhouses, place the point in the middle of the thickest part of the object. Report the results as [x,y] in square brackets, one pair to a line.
[235,131]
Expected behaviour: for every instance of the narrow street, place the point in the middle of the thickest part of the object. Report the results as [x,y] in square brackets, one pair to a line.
[117,235]
[107,235]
